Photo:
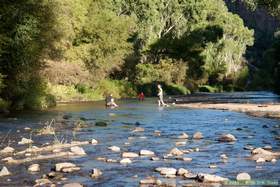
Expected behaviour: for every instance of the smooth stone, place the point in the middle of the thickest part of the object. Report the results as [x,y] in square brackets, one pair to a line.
[187,159]
[4,172]
[126,161]
[103,159]
[170,176]
[273,160]
[155,158]
[34,168]
[138,129]
[223,156]
[114,149]
[211,178]
[261,151]
[227,138]
[111,161]
[183,136]
[190,176]
[181,143]
[7,159]
[176,152]
[182,171]
[96,173]
[167,171]
[60,166]
[27,128]
[198,136]
[73,185]
[267,147]
[7,150]
[249,147]
[70,170]
[157,133]
[243,177]
[129,155]
[43,182]
[146,153]
[150,181]
[260,160]
[94,141]
[78,150]
[212,166]
[25,141]
[56,150]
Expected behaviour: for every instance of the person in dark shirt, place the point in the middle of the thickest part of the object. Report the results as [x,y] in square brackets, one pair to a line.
[110,102]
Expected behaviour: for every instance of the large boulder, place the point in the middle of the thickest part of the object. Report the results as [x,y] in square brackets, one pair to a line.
[227,138]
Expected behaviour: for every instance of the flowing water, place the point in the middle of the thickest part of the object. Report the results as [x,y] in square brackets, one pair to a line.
[171,121]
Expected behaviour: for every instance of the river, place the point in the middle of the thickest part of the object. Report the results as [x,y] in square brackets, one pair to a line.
[171,121]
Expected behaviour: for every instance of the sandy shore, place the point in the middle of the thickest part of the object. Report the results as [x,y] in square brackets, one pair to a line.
[264,110]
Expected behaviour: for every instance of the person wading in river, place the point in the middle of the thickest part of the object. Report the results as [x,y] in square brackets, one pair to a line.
[160,96]
[110,102]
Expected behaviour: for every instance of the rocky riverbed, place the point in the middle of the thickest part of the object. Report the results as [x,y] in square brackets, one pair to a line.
[137,144]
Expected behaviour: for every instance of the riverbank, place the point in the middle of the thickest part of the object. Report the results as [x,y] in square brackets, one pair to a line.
[258,110]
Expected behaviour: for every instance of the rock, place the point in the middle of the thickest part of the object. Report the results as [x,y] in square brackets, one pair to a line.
[180,143]
[73,185]
[150,181]
[211,178]
[166,171]
[267,147]
[212,166]
[70,169]
[7,159]
[78,150]
[273,160]
[66,116]
[34,168]
[176,152]
[129,155]
[239,129]
[114,148]
[138,129]
[182,171]
[265,126]
[261,151]
[183,136]
[4,172]
[170,176]
[101,124]
[43,182]
[146,153]
[60,166]
[111,161]
[56,150]
[243,177]
[157,133]
[186,159]
[126,161]
[197,136]
[94,141]
[223,156]
[196,149]
[155,158]
[96,173]
[190,176]
[260,160]
[227,138]
[7,150]
[103,159]
[25,141]
[27,128]
[248,147]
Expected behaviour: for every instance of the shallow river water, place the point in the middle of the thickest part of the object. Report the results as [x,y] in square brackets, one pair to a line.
[171,121]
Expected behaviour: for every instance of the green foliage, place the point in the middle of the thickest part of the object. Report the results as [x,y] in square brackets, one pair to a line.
[210,89]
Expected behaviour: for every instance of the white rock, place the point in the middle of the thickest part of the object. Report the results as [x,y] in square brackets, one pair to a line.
[243,177]
[186,159]
[261,151]
[182,171]
[126,161]
[260,160]
[223,156]
[114,148]
[60,166]
[78,150]
[72,185]
[111,161]
[7,159]
[34,168]
[155,158]
[176,152]
[43,182]
[96,173]
[273,160]
[27,128]
[212,166]
[212,178]
[198,136]
[56,150]
[151,181]
[146,153]
[25,141]
[157,133]
[180,143]
[166,171]
[94,141]
[70,169]
[138,129]
[227,138]
[7,150]
[129,155]
[4,172]
[183,136]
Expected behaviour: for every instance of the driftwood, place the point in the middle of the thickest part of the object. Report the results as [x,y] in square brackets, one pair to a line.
[42,157]
[51,147]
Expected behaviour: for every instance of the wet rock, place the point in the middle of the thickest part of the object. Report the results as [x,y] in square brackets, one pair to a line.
[63,165]
[211,178]
[187,159]
[273,160]
[138,129]
[96,173]
[223,156]
[78,150]
[248,147]
[157,133]
[34,168]
[101,124]
[243,177]
[239,129]
[103,159]
[150,181]
[227,138]
[166,171]
[212,166]
[73,185]
[180,143]
[66,116]
[265,126]
[190,175]
[183,136]
[176,152]
[7,159]
[43,182]
[260,160]
[146,153]
[155,158]
[260,154]
[267,147]
[111,161]
[54,175]
[4,172]
[125,161]
[7,150]
[27,128]
[197,136]
[129,155]
[182,171]
[70,169]
[25,141]
[114,149]
[94,141]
